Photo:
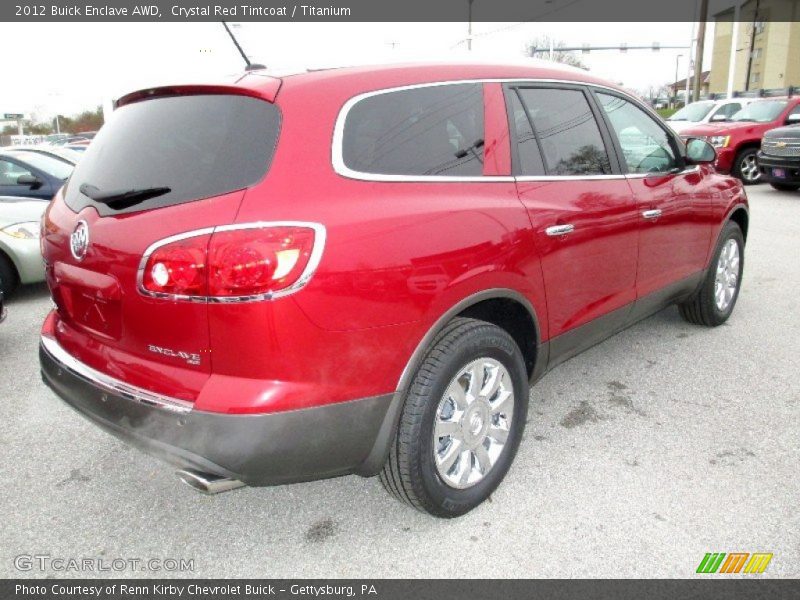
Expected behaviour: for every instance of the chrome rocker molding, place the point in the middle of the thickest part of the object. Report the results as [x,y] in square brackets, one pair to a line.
[320,235]
[136,394]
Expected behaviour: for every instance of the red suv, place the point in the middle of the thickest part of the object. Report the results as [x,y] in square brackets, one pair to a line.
[363,270]
[737,141]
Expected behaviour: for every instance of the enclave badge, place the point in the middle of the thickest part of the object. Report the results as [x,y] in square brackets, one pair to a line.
[79,240]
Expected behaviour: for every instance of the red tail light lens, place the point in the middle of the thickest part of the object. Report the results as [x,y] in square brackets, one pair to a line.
[249,262]
[178,268]
[235,262]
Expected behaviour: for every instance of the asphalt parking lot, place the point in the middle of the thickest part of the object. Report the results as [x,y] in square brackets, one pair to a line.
[661,444]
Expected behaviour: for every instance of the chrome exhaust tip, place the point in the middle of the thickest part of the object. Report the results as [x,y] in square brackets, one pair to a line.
[206,482]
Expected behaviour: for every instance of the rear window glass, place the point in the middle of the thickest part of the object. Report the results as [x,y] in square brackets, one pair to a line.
[435,130]
[197,146]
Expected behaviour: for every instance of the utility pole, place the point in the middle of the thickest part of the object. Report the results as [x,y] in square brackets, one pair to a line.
[698,57]
[734,50]
[752,48]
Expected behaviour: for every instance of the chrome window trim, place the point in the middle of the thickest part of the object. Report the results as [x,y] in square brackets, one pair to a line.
[689,169]
[110,384]
[337,158]
[320,236]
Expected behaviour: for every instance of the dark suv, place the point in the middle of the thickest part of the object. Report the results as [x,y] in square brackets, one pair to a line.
[779,158]
[362,270]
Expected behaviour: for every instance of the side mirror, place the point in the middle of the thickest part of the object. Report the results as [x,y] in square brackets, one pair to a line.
[31,181]
[793,119]
[719,117]
[700,152]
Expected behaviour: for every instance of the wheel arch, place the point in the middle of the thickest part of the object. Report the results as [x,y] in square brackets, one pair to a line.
[508,309]
[740,216]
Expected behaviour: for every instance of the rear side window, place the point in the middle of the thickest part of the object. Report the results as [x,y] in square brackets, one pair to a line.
[427,131]
[567,131]
[528,154]
[197,146]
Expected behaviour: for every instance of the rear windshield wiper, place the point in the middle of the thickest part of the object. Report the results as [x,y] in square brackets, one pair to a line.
[121,199]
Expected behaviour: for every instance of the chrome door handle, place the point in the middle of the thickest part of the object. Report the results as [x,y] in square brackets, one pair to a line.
[651,214]
[556,230]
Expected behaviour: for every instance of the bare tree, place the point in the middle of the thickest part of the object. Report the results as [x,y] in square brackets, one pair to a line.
[540,47]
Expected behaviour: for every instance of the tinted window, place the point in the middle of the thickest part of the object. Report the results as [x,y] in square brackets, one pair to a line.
[435,130]
[567,131]
[198,146]
[645,145]
[530,159]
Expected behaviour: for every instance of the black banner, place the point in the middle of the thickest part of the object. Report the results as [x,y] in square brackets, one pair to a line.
[284,589]
[387,10]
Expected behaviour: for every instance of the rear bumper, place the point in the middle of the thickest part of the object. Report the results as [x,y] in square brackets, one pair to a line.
[257,449]
[791,167]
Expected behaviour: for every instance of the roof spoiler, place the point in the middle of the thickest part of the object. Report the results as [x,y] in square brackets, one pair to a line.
[255,85]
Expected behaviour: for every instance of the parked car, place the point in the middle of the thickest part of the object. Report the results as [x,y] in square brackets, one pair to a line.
[31,174]
[362,270]
[79,147]
[63,154]
[779,158]
[737,141]
[20,256]
[706,111]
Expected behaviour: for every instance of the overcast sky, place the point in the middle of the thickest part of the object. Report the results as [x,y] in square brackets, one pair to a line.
[69,67]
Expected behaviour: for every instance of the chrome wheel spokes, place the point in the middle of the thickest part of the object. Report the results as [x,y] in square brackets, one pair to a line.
[472,422]
[726,280]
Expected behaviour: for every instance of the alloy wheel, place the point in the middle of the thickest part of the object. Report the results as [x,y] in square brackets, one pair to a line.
[727,277]
[749,169]
[472,423]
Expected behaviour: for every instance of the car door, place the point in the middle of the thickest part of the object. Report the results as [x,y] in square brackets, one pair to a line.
[582,212]
[673,199]
[11,170]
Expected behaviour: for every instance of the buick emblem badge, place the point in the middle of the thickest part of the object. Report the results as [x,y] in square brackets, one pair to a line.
[79,240]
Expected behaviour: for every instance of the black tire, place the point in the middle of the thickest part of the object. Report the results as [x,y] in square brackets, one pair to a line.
[410,473]
[9,281]
[701,308]
[741,157]
[785,187]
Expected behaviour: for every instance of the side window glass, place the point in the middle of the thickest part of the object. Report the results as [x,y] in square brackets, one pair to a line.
[645,145]
[9,172]
[729,109]
[567,131]
[436,130]
[530,159]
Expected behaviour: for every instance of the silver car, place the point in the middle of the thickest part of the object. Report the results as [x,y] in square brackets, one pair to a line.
[20,256]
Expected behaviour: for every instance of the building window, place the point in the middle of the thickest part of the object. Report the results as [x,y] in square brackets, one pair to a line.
[759,27]
[755,77]
[756,53]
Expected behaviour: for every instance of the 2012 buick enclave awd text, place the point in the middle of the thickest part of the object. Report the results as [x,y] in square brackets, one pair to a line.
[362,270]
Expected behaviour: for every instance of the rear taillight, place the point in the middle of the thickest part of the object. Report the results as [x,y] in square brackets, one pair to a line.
[233,262]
